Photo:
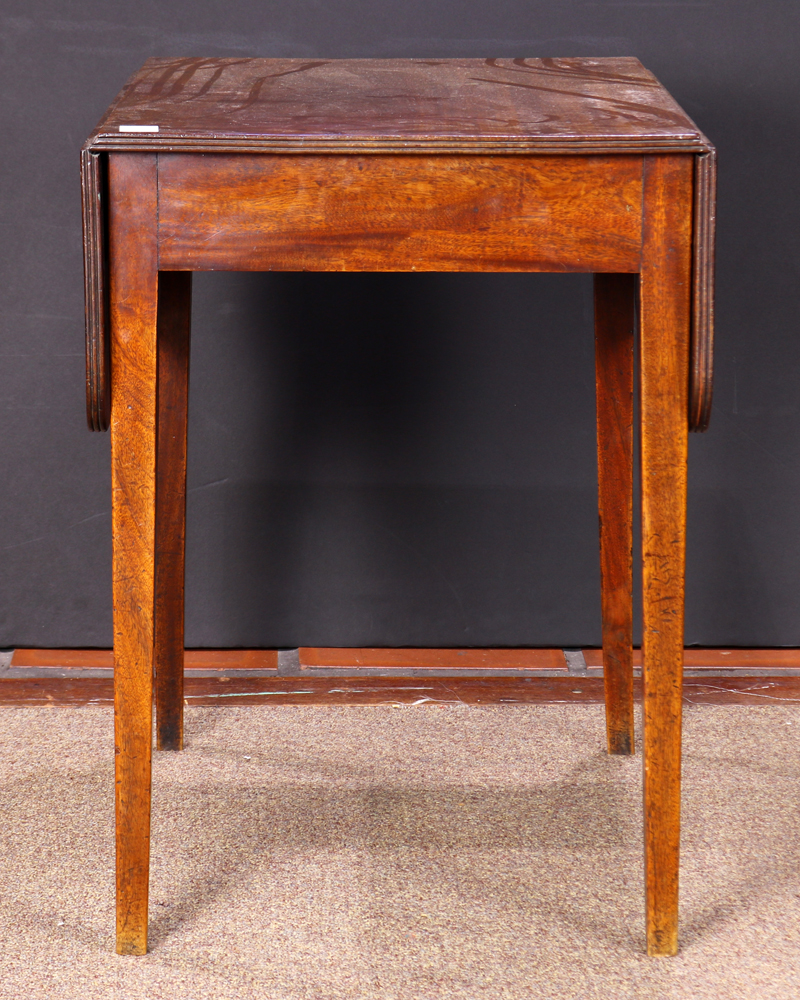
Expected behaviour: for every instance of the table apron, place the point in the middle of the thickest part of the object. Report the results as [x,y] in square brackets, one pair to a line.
[399,213]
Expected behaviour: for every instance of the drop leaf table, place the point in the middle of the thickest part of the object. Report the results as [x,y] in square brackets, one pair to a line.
[399,165]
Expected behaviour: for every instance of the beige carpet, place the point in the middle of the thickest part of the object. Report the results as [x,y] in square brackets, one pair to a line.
[416,852]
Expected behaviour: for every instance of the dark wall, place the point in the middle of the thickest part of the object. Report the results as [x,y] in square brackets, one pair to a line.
[397,459]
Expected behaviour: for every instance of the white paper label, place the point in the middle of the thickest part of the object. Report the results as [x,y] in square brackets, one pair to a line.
[138,128]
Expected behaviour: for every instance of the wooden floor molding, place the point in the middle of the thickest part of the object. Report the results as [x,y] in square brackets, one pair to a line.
[103,659]
[719,659]
[42,691]
[326,676]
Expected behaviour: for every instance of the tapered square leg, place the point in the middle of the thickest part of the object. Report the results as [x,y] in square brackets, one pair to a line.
[133,301]
[614,318]
[664,379]
[174,321]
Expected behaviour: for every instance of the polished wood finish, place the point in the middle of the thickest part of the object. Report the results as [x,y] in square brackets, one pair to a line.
[746,662]
[194,659]
[599,172]
[401,106]
[84,659]
[701,374]
[606,105]
[95,282]
[134,360]
[433,659]
[614,306]
[233,692]
[399,213]
[174,320]
[663,385]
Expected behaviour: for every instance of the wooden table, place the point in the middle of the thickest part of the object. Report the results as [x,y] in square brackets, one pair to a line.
[399,165]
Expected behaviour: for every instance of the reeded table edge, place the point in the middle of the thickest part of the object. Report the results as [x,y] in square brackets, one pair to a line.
[701,373]
[98,371]
[376,145]
[96,303]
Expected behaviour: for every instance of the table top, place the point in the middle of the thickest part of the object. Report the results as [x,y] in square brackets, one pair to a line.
[395,105]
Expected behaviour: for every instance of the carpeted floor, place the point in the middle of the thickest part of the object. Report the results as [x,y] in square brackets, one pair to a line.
[414,853]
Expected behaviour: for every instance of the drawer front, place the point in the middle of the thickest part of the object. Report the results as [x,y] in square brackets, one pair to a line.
[399,213]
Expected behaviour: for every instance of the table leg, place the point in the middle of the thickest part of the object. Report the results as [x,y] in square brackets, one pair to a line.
[174,320]
[614,318]
[664,337]
[133,295]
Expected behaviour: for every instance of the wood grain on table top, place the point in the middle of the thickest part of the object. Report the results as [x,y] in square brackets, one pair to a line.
[375,103]
[602,106]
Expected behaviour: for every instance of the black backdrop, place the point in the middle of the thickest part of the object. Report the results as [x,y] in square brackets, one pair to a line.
[397,459]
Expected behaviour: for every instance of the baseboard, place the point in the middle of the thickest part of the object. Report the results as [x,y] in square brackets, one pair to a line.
[324,675]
